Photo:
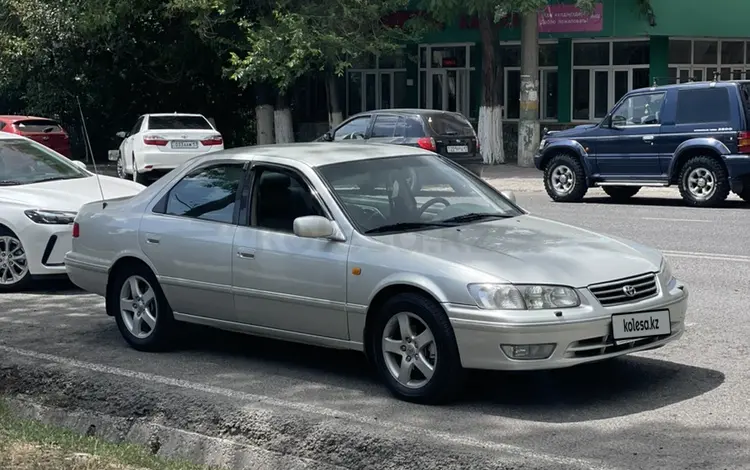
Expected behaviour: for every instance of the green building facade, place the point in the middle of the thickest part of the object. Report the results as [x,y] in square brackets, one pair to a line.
[586,62]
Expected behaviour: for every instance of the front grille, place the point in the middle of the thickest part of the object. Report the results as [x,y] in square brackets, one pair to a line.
[626,290]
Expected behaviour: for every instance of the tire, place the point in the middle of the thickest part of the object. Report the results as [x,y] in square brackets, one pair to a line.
[137,177]
[571,188]
[159,335]
[121,173]
[447,378]
[14,268]
[709,172]
[621,193]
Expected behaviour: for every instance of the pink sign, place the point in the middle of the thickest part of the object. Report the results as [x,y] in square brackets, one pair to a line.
[570,19]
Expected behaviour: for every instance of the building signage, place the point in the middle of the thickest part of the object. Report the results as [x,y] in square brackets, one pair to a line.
[570,19]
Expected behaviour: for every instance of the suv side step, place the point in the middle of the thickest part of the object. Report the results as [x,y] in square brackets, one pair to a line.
[652,184]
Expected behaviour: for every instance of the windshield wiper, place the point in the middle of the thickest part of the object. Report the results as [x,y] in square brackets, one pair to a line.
[9,182]
[55,178]
[474,216]
[407,226]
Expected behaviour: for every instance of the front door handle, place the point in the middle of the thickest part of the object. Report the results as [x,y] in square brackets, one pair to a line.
[245,254]
[648,138]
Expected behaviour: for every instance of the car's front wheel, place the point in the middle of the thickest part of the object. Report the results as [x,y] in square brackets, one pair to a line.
[565,179]
[140,308]
[415,351]
[14,266]
[703,182]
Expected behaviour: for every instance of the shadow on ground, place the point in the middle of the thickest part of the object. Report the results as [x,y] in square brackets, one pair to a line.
[665,202]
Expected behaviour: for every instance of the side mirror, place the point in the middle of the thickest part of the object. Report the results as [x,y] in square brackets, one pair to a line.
[79,164]
[509,195]
[122,134]
[327,137]
[313,226]
[617,121]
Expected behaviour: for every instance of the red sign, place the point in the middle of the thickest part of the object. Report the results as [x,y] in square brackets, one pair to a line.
[570,19]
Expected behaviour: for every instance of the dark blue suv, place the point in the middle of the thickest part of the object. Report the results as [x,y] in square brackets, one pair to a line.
[693,135]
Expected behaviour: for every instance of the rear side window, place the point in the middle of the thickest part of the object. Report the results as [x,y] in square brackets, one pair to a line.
[178,122]
[413,128]
[38,125]
[745,96]
[703,105]
[384,126]
[449,124]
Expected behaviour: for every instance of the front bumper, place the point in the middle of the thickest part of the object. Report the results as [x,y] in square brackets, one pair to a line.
[587,338]
[45,246]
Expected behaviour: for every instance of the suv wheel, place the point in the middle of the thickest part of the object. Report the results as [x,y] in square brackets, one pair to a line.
[564,179]
[414,350]
[621,193]
[703,182]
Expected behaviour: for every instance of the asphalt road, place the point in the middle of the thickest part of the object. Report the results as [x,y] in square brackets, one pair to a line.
[685,406]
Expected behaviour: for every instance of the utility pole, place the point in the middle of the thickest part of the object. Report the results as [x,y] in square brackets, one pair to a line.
[528,124]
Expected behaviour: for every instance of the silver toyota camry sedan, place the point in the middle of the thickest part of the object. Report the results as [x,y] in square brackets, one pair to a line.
[389,250]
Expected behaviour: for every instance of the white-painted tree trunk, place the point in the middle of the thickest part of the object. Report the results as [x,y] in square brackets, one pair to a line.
[283,125]
[264,124]
[335,116]
[490,134]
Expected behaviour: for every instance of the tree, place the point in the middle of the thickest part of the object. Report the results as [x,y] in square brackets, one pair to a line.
[299,37]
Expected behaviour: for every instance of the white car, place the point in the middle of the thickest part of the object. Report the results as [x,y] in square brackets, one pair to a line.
[159,143]
[40,194]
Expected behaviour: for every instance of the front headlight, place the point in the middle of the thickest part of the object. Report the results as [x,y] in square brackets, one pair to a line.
[523,297]
[665,273]
[41,216]
[542,144]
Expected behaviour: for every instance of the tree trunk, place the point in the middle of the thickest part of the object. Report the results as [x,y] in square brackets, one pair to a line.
[490,127]
[528,124]
[264,115]
[282,118]
[335,116]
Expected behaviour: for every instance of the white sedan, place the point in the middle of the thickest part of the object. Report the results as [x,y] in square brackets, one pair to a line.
[158,143]
[40,194]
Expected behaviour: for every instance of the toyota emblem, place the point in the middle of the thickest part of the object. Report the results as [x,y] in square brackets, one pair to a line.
[629,291]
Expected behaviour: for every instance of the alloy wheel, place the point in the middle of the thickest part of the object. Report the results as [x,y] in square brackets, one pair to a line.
[138,307]
[13,263]
[701,183]
[562,179]
[409,350]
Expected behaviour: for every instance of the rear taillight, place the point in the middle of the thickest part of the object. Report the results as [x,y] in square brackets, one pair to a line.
[427,143]
[155,140]
[213,140]
[76,230]
[743,142]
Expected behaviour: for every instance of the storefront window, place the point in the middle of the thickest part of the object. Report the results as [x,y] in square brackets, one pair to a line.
[591,53]
[377,83]
[706,52]
[680,51]
[630,53]
[511,61]
[445,79]
[706,59]
[449,57]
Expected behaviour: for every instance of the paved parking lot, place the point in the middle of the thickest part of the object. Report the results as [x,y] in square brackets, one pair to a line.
[683,406]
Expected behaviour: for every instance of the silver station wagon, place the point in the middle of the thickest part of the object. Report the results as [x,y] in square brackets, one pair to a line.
[389,250]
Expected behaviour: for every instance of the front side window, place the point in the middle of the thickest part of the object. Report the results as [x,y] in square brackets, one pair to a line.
[26,162]
[419,192]
[207,193]
[354,129]
[279,197]
[639,110]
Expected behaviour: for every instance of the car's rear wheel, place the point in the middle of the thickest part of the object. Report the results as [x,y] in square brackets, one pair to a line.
[703,182]
[415,351]
[14,265]
[121,168]
[564,179]
[140,308]
[621,193]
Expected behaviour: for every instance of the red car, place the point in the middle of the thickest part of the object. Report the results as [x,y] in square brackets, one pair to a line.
[47,132]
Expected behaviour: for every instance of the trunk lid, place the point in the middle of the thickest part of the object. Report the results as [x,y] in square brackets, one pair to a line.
[45,131]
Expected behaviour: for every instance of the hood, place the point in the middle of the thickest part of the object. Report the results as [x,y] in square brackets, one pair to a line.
[68,195]
[528,249]
[573,132]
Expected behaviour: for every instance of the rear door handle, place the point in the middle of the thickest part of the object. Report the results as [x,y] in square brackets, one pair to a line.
[152,239]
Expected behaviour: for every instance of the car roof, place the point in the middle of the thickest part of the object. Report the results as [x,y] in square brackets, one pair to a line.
[15,118]
[316,154]
[701,84]
[174,114]
[419,111]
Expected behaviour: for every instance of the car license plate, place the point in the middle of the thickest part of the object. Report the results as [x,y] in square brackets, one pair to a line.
[640,325]
[185,144]
[458,149]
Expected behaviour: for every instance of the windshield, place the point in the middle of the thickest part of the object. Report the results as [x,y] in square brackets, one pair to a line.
[417,192]
[26,162]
